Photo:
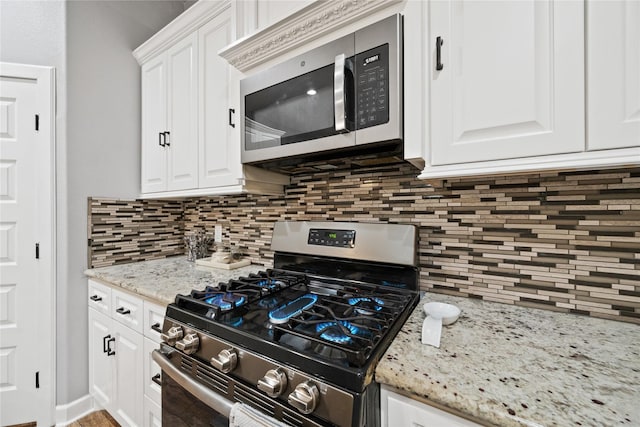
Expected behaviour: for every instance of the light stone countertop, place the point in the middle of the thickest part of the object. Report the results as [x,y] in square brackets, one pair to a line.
[514,366]
[162,279]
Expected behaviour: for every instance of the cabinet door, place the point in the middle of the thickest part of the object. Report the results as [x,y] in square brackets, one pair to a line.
[512,79]
[99,297]
[613,73]
[127,309]
[154,122]
[182,117]
[272,11]
[129,359]
[152,373]
[220,163]
[152,414]
[153,320]
[101,365]
[398,410]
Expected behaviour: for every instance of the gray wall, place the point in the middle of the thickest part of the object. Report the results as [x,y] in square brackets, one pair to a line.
[98,132]
[103,146]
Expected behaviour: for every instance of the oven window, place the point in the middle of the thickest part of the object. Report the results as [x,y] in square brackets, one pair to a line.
[299,109]
[182,409]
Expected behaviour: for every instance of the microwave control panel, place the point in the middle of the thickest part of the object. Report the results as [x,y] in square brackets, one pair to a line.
[372,87]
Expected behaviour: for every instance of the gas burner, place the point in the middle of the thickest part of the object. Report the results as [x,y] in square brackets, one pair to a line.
[331,353]
[226,300]
[366,306]
[340,332]
[268,303]
[292,309]
[270,284]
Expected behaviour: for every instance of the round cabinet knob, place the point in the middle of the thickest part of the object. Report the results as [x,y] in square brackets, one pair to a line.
[189,344]
[274,382]
[305,397]
[226,361]
[173,334]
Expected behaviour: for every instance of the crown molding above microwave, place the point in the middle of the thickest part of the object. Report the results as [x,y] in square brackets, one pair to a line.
[311,22]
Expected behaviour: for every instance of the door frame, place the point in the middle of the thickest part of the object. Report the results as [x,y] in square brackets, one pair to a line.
[46,185]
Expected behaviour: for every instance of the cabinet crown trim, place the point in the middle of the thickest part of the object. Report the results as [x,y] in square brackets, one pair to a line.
[184,24]
[309,23]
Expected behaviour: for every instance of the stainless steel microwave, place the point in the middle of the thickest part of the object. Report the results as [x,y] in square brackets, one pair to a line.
[339,99]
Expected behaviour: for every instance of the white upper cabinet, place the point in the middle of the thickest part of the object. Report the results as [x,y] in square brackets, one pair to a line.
[506,80]
[182,101]
[169,119]
[154,123]
[190,107]
[272,11]
[613,74]
[219,162]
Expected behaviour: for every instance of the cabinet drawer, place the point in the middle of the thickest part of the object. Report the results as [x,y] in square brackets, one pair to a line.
[127,309]
[153,319]
[399,410]
[100,297]
[152,389]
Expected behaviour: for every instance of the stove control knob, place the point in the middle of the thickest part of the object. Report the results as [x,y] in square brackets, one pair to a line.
[173,334]
[305,397]
[226,361]
[274,382]
[189,344]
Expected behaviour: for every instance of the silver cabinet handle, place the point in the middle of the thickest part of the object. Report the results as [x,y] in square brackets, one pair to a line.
[202,393]
[338,92]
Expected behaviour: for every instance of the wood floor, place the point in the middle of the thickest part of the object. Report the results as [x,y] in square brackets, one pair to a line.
[96,419]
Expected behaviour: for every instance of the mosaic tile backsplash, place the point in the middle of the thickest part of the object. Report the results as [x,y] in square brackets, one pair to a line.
[122,231]
[567,241]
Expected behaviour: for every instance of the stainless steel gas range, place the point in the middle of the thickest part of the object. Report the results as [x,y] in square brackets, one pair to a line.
[298,342]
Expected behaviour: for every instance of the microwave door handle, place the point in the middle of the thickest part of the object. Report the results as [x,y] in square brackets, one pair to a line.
[338,92]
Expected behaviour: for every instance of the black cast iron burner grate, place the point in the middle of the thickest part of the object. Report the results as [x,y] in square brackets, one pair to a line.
[347,326]
[226,297]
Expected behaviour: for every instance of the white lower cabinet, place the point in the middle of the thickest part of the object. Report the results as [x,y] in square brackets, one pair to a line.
[152,413]
[101,366]
[115,368]
[152,372]
[400,411]
[123,379]
[128,375]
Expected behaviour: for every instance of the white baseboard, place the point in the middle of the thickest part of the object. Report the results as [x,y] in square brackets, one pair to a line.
[70,412]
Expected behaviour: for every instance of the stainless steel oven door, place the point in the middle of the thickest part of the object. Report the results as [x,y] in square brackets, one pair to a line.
[186,402]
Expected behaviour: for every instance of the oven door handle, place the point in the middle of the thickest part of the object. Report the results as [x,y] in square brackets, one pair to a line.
[338,93]
[201,392]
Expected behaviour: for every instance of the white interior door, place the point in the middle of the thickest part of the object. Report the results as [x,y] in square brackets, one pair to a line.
[24,201]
